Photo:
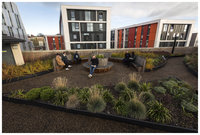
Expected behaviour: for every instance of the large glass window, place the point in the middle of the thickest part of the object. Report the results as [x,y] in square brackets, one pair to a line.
[165,27]
[83,46]
[172,28]
[101,15]
[89,26]
[75,26]
[72,15]
[100,27]
[185,28]
[87,15]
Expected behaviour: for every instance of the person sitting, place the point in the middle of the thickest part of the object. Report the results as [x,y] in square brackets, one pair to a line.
[126,58]
[65,59]
[132,58]
[60,62]
[93,66]
[77,58]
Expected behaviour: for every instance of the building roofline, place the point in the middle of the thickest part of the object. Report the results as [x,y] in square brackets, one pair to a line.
[156,21]
[84,7]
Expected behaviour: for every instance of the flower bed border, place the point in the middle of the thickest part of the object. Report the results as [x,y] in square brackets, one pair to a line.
[171,128]
[191,70]
[26,76]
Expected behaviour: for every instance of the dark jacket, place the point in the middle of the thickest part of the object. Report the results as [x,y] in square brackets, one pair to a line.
[127,55]
[95,61]
[76,56]
[64,58]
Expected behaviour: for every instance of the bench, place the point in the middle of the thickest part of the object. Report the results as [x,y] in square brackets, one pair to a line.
[139,63]
[56,67]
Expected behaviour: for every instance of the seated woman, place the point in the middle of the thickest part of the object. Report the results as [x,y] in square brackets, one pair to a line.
[93,66]
[126,60]
[60,62]
[77,58]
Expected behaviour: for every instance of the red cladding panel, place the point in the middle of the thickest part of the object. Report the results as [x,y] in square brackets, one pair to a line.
[145,29]
[131,36]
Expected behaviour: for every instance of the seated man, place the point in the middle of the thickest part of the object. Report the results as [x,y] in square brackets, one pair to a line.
[132,58]
[65,59]
[77,58]
[93,66]
[60,62]
[126,58]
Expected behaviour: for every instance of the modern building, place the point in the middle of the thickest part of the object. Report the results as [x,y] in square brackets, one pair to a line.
[54,42]
[156,33]
[194,40]
[38,42]
[85,27]
[14,37]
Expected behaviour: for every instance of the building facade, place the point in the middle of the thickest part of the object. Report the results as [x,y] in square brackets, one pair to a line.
[38,42]
[85,27]
[14,38]
[156,33]
[194,40]
[54,42]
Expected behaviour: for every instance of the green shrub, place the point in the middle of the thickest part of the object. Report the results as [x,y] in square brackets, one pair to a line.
[160,89]
[59,82]
[127,94]
[18,94]
[84,95]
[60,98]
[100,56]
[72,91]
[120,107]
[96,104]
[146,97]
[136,109]
[169,85]
[145,87]
[73,101]
[158,113]
[120,86]
[33,94]
[133,85]
[189,106]
[47,94]
[108,97]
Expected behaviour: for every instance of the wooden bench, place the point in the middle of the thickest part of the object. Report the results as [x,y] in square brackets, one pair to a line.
[56,67]
[139,63]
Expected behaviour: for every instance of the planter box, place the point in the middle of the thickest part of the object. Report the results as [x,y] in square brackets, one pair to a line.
[103,61]
[169,128]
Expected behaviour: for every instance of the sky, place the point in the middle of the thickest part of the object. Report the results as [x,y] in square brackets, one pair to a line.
[43,17]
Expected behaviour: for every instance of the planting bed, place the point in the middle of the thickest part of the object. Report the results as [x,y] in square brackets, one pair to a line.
[191,62]
[120,100]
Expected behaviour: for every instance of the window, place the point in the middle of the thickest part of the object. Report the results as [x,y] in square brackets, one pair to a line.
[72,15]
[89,26]
[78,46]
[87,15]
[147,42]
[59,43]
[148,29]
[185,28]
[4,6]
[75,36]
[11,7]
[75,27]
[100,27]
[172,28]
[100,16]
[18,22]
[53,39]
[165,27]
[3,20]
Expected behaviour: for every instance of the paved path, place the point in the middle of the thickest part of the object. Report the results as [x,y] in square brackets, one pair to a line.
[30,119]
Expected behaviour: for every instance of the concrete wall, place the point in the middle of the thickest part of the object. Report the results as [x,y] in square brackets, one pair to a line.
[7,55]
[36,55]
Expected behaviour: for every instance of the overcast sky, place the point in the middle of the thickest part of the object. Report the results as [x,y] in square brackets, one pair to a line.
[43,17]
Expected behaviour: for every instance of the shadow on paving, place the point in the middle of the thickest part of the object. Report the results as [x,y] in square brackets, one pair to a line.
[30,119]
